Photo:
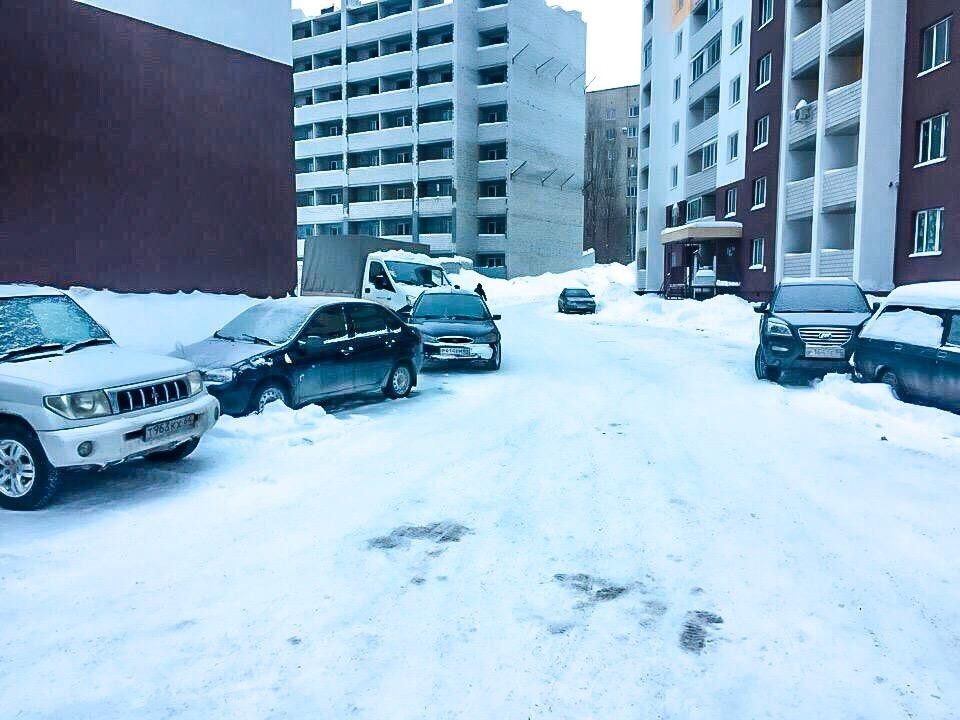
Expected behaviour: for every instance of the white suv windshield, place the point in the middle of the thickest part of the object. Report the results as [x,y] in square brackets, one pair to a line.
[268,323]
[407,273]
[45,322]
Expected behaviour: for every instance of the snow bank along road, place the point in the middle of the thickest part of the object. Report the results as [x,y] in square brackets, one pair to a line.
[622,523]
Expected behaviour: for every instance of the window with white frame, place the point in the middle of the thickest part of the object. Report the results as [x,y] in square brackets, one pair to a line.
[766,12]
[611,134]
[736,35]
[936,46]
[735,88]
[733,147]
[631,190]
[928,231]
[705,59]
[634,111]
[678,43]
[676,133]
[647,54]
[642,220]
[764,70]
[933,139]
[676,88]
[756,254]
[632,131]
[732,198]
[759,193]
[708,156]
[674,176]
[761,132]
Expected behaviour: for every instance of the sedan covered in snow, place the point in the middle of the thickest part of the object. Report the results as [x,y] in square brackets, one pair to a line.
[302,350]
[71,398]
[457,327]
[576,300]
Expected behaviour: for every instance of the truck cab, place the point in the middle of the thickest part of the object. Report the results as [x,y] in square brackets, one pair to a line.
[396,278]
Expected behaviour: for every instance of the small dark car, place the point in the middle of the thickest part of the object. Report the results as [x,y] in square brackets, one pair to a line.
[303,350]
[457,327]
[576,300]
[810,326]
[913,345]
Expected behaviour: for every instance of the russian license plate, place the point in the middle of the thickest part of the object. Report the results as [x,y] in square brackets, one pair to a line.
[826,353]
[169,427]
[455,352]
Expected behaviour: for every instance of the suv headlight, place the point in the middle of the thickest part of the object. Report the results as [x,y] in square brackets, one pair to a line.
[194,382]
[218,376]
[80,406]
[778,328]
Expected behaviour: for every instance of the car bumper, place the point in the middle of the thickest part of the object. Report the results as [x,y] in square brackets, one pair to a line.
[580,309]
[792,356]
[477,353]
[121,439]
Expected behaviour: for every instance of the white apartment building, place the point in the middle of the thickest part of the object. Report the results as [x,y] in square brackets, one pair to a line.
[841,140]
[693,106]
[455,123]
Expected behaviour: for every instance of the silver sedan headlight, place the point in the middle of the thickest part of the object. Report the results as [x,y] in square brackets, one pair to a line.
[219,376]
[80,406]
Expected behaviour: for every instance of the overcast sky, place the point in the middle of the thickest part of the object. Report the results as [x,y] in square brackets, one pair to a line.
[613,37]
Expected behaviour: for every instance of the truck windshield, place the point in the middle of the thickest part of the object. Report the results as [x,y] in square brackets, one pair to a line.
[820,299]
[408,273]
[450,307]
[269,323]
[45,323]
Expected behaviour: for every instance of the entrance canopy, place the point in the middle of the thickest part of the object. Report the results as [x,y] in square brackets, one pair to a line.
[700,231]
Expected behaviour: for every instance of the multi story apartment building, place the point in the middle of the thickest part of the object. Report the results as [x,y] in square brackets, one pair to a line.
[843,162]
[612,161]
[454,123]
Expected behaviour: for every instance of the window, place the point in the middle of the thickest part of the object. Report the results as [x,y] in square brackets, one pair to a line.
[674,176]
[328,325]
[632,131]
[705,59]
[933,139]
[759,193]
[766,12]
[634,111]
[713,7]
[676,133]
[936,46]
[611,134]
[756,256]
[367,319]
[631,153]
[611,113]
[764,69]
[735,91]
[733,147]
[694,209]
[732,198]
[676,88]
[953,337]
[631,191]
[928,232]
[642,225]
[708,156]
[647,54]
[677,43]
[736,35]
[761,132]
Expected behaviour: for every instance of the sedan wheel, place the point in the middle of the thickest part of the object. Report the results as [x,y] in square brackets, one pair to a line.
[400,382]
[890,378]
[269,394]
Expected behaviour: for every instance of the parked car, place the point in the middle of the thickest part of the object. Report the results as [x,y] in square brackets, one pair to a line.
[303,350]
[913,344]
[576,300]
[810,326]
[457,327]
[71,398]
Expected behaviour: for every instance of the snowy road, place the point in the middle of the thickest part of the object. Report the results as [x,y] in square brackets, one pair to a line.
[620,524]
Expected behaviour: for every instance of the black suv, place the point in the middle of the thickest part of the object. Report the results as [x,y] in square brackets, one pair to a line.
[810,326]
[302,350]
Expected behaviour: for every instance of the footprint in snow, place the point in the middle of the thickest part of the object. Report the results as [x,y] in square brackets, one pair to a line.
[440,533]
[698,630]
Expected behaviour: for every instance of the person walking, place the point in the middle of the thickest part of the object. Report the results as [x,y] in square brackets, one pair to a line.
[479,291]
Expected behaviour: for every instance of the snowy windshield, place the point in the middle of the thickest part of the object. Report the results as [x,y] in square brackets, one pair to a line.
[49,320]
[820,298]
[268,323]
[451,307]
[577,292]
[408,273]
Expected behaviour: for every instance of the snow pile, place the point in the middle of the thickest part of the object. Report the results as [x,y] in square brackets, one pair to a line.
[278,423]
[599,279]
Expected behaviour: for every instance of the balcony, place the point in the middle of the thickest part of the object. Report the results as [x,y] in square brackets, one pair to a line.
[492,170]
[710,29]
[436,169]
[699,134]
[494,94]
[438,242]
[379,66]
[435,93]
[492,17]
[847,23]
[494,54]
[836,263]
[800,199]
[322,179]
[320,112]
[435,205]
[644,157]
[376,29]
[332,145]
[806,49]
[839,189]
[492,206]
[706,83]
[380,209]
[321,77]
[702,182]
[320,214]
[796,265]
[379,174]
[803,132]
[375,139]
[491,242]
[843,107]
[380,102]
[492,132]
[436,55]
[437,131]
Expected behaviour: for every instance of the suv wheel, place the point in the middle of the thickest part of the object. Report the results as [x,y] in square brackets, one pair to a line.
[764,371]
[178,453]
[400,383]
[27,479]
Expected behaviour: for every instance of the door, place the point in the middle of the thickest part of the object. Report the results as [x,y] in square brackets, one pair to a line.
[948,365]
[373,342]
[324,356]
[378,286]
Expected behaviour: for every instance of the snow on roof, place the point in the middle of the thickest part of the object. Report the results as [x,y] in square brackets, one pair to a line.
[406,256]
[936,295]
[9,291]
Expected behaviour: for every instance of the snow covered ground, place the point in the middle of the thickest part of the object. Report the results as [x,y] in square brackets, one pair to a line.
[622,523]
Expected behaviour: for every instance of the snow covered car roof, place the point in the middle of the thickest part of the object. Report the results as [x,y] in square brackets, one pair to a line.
[448,290]
[12,291]
[406,256]
[935,295]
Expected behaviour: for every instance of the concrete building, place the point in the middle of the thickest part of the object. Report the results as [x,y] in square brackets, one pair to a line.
[455,123]
[145,145]
[611,160]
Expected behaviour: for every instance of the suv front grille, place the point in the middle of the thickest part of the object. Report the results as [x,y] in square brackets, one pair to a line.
[148,396]
[826,336]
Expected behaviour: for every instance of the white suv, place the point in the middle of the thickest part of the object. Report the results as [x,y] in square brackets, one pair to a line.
[71,398]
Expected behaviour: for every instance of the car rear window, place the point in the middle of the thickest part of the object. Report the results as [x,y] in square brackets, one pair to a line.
[820,298]
[913,326]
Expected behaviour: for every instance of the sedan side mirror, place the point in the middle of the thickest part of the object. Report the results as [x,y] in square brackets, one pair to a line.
[876,306]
